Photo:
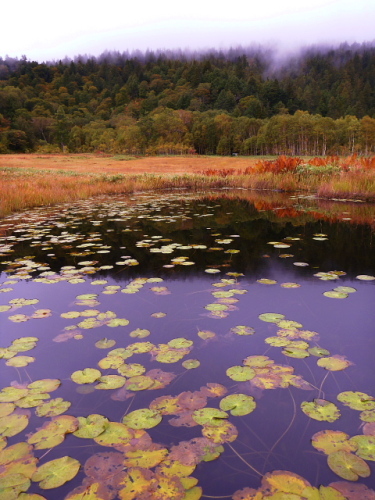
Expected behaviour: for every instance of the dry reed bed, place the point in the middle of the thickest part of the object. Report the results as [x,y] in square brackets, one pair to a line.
[23,188]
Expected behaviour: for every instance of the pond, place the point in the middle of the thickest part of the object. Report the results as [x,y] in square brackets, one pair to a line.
[186,346]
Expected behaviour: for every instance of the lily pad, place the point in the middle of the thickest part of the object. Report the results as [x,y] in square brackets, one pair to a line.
[86,376]
[105,343]
[243,330]
[334,363]
[53,408]
[357,400]
[318,351]
[348,466]
[210,416]
[271,317]
[335,294]
[365,446]
[365,277]
[240,373]
[12,425]
[140,333]
[330,441]
[142,419]
[190,364]
[320,409]
[91,426]
[238,404]
[180,343]
[110,382]
[206,334]
[131,369]
[56,472]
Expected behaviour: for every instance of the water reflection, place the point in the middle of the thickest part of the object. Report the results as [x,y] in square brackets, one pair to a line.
[171,254]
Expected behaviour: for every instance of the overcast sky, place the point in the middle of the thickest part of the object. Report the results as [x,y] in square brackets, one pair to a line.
[44,30]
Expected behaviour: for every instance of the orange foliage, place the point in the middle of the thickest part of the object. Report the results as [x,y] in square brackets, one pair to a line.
[281,164]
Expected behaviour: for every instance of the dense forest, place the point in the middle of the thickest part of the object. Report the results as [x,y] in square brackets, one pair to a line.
[234,102]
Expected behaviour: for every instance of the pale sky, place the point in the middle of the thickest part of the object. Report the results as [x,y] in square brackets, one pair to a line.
[44,30]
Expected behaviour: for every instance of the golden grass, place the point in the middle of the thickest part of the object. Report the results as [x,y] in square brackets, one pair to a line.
[32,181]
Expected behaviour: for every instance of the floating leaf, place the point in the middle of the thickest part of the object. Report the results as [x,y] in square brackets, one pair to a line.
[206,334]
[240,373]
[145,458]
[56,472]
[117,322]
[335,294]
[139,383]
[136,482]
[271,317]
[345,289]
[209,416]
[110,382]
[365,446]
[20,361]
[86,376]
[243,330]
[52,408]
[280,481]
[290,285]
[10,394]
[113,362]
[365,277]
[318,351]
[334,363]
[224,433]
[105,343]
[11,425]
[131,369]
[180,343]
[348,466]
[357,400]
[330,441]
[45,385]
[115,435]
[6,409]
[190,364]
[53,433]
[91,426]
[142,419]
[295,352]
[238,404]
[140,333]
[320,409]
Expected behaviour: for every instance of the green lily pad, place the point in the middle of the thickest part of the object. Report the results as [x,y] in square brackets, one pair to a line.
[206,334]
[20,361]
[365,277]
[117,322]
[330,441]
[226,432]
[357,400]
[52,433]
[209,416]
[140,333]
[116,435]
[131,369]
[367,416]
[32,400]
[6,409]
[45,385]
[110,382]
[11,394]
[240,373]
[289,324]
[320,409]
[242,330]
[113,362]
[277,341]
[11,425]
[318,351]
[180,343]
[271,317]
[147,459]
[266,281]
[52,408]
[139,383]
[140,347]
[348,466]
[335,294]
[345,289]
[105,343]
[238,404]
[86,376]
[56,472]
[295,352]
[216,307]
[142,419]
[190,364]
[290,285]
[334,363]
[365,446]
[91,426]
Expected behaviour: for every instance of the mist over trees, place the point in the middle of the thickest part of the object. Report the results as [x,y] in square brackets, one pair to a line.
[242,100]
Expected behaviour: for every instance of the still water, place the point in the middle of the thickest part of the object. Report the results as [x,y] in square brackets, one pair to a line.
[159,303]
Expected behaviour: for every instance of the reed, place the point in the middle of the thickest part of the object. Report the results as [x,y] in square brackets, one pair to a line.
[354,178]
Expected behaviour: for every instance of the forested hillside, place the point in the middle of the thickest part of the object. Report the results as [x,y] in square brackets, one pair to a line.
[241,101]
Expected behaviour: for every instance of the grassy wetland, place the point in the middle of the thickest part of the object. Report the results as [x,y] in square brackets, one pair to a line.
[37,180]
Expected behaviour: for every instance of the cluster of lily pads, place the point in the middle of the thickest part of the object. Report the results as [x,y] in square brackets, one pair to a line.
[134,465]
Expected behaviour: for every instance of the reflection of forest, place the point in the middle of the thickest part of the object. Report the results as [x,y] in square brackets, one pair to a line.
[254,218]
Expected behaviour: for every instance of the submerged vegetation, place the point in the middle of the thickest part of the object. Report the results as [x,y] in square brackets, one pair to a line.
[185,347]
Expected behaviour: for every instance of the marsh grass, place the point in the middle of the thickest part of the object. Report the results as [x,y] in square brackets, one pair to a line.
[22,188]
